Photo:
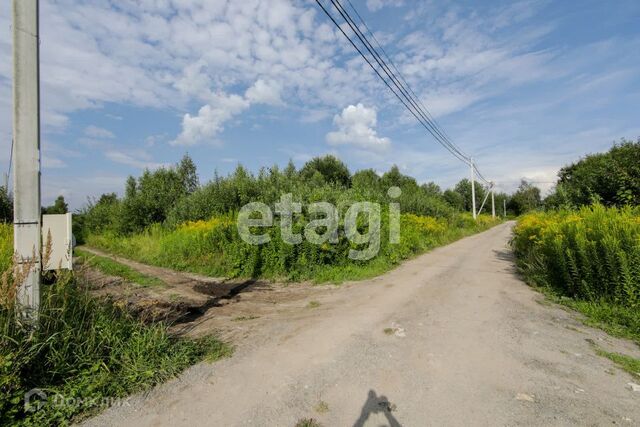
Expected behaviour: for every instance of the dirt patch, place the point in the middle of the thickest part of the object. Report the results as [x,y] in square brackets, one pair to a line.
[195,304]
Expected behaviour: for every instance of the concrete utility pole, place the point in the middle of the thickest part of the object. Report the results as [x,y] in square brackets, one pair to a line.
[473,188]
[504,207]
[26,152]
[493,202]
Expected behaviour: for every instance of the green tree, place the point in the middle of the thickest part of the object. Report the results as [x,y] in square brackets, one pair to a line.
[395,178]
[365,179]
[332,170]
[500,199]
[59,207]
[431,189]
[463,187]
[101,215]
[188,173]
[6,205]
[525,199]
[558,198]
[151,197]
[611,178]
[454,199]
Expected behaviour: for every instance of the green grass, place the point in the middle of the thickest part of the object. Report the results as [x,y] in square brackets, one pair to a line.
[313,304]
[627,363]
[618,321]
[6,246]
[214,248]
[590,254]
[86,351]
[587,260]
[113,268]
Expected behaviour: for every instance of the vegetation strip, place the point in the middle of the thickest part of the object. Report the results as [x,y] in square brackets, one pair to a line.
[85,354]
[114,268]
[589,260]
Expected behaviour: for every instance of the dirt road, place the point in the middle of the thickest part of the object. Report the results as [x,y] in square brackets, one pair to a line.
[453,337]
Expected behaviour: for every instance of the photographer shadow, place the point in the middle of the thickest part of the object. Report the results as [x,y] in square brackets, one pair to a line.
[375,405]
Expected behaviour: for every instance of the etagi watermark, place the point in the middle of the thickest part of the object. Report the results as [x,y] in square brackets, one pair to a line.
[328,222]
[36,398]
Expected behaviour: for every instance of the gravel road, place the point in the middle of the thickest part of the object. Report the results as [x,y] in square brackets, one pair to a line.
[453,337]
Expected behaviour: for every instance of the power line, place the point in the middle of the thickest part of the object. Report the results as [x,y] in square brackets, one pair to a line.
[441,131]
[400,98]
[394,79]
[404,93]
[10,163]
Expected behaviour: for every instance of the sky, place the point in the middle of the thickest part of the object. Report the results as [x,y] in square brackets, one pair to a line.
[524,87]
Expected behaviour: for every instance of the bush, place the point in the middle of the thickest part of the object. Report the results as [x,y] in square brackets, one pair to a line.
[214,246]
[171,196]
[84,350]
[591,254]
[611,178]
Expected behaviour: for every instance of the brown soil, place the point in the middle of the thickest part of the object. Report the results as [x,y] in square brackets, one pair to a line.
[189,301]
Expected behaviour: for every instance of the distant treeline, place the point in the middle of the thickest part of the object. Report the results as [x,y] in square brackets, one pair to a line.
[171,196]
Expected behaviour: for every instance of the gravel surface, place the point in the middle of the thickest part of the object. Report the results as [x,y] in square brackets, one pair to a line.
[453,337]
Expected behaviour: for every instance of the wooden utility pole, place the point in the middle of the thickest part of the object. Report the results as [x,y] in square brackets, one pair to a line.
[26,154]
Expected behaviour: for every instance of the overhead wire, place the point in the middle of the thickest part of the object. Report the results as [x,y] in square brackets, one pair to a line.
[403,92]
[410,107]
[441,131]
[394,79]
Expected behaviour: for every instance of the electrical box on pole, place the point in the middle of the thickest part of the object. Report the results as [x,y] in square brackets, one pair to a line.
[26,154]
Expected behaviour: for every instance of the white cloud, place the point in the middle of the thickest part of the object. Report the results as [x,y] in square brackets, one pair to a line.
[356,126]
[152,140]
[264,92]
[195,81]
[165,54]
[209,121]
[141,162]
[450,100]
[98,132]
[374,5]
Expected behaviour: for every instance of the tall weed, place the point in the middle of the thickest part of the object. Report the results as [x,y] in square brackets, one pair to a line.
[214,247]
[83,351]
[589,254]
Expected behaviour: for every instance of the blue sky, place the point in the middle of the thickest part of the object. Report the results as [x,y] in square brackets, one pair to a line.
[525,87]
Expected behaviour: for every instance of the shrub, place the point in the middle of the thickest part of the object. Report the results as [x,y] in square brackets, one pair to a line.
[214,246]
[86,350]
[590,254]
[83,349]
[171,196]
[611,178]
